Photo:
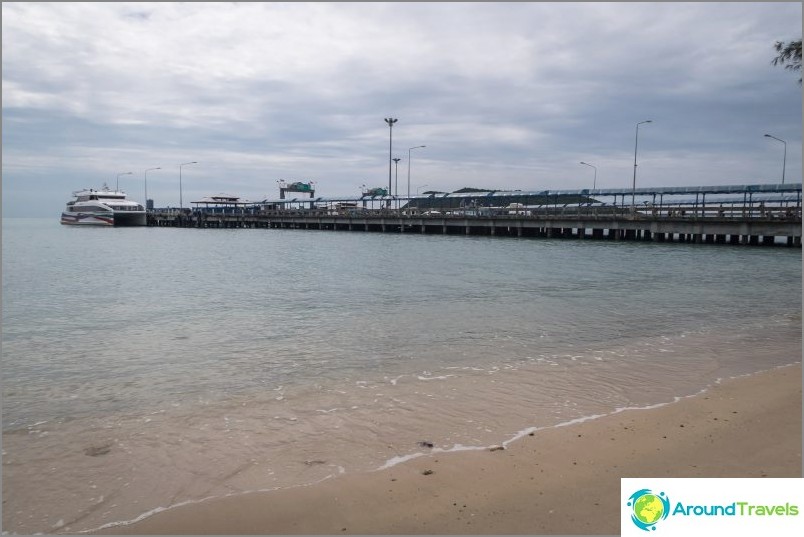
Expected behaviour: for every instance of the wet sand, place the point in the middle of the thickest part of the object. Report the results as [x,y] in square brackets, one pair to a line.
[562,480]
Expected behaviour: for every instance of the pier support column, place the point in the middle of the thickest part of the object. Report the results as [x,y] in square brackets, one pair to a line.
[519,232]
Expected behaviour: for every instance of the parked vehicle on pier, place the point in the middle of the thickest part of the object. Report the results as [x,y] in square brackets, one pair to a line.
[102,208]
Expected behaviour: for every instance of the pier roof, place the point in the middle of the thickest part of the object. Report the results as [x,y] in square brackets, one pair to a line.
[750,189]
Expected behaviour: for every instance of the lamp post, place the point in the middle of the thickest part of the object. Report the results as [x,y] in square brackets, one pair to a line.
[784,160]
[418,187]
[409,150]
[117,181]
[594,181]
[636,143]
[390,121]
[396,179]
[181,202]
[146,185]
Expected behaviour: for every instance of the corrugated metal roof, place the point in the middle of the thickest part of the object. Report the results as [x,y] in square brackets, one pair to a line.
[600,192]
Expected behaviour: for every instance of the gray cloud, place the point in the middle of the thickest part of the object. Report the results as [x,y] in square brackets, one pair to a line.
[503,95]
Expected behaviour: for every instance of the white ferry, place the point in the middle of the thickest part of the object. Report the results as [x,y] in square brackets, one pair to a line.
[103,208]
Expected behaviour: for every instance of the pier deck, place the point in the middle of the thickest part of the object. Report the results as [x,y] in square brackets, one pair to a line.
[740,226]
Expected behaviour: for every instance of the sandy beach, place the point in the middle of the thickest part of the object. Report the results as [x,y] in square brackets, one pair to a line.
[561,480]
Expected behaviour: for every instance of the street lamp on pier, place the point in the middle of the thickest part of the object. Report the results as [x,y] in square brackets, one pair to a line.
[181,202]
[784,159]
[594,181]
[146,185]
[636,143]
[117,181]
[418,187]
[390,121]
[396,178]
[409,150]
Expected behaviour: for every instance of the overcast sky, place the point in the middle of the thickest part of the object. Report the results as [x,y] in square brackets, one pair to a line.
[504,96]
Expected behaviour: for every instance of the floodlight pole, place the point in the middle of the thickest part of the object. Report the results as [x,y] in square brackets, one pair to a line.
[633,186]
[390,121]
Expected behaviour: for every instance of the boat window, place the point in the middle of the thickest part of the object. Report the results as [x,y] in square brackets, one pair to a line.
[89,209]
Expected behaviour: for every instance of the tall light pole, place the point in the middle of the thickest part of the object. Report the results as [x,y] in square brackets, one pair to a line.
[418,187]
[594,181]
[117,181]
[396,179]
[390,121]
[636,143]
[409,150]
[181,202]
[146,185]
[784,161]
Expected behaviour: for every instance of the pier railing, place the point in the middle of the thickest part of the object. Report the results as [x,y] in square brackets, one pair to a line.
[735,224]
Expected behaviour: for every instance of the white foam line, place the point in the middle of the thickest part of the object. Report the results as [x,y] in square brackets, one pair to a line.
[393,461]
[160,509]
[676,399]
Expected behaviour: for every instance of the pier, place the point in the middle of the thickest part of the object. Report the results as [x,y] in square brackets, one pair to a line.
[748,214]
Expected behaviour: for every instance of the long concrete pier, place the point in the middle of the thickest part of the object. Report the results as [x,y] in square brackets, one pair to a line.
[760,229]
[758,214]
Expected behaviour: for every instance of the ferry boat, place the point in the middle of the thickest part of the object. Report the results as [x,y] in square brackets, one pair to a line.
[102,208]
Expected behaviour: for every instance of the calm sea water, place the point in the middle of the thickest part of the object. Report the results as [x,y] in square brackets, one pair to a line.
[148,367]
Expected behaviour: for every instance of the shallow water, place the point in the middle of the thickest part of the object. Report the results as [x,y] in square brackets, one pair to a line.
[148,367]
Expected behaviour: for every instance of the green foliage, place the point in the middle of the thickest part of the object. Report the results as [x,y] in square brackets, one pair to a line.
[789,55]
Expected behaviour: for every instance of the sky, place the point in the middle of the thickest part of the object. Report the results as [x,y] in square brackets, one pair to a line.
[503,96]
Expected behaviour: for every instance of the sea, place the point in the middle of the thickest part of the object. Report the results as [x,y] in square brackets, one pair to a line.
[145,368]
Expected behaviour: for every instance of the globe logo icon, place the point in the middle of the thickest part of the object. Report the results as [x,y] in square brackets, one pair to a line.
[648,508]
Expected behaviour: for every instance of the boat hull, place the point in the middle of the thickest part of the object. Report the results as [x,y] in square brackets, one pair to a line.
[103,220]
[129,219]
